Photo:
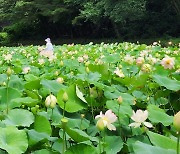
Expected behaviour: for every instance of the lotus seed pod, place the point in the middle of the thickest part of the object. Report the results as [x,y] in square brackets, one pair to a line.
[65,97]
[176,121]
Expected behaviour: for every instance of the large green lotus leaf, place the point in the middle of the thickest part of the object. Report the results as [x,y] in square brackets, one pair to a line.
[113,58]
[157,115]
[53,86]
[167,82]
[81,149]
[162,141]
[72,64]
[42,124]
[30,77]
[124,109]
[141,148]
[35,137]
[101,69]
[19,117]
[90,77]
[44,151]
[34,84]
[77,135]
[7,95]
[127,98]
[12,140]
[28,101]
[132,140]
[73,104]
[16,82]
[3,78]
[113,144]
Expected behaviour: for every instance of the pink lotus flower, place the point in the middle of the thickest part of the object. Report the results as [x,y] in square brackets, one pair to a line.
[106,120]
[168,63]
[139,60]
[140,117]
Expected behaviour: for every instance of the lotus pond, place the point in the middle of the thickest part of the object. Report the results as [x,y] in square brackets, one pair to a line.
[90,99]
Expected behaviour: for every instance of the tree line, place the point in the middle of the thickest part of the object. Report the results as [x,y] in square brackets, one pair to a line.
[127,19]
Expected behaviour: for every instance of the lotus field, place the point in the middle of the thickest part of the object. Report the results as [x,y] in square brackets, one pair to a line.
[90,99]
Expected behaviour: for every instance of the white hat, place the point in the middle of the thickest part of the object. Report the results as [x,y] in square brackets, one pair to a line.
[48,40]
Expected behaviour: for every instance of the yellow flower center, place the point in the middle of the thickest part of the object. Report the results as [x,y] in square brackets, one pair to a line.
[168,61]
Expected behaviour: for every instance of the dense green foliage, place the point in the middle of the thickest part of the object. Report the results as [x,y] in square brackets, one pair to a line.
[36,19]
[48,104]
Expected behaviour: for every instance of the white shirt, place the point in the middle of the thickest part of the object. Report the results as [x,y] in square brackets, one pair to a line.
[49,47]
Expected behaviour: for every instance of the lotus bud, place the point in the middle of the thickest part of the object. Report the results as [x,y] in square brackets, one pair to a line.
[82,116]
[64,121]
[120,100]
[9,71]
[60,80]
[61,63]
[65,97]
[176,121]
[50,101]
[87,70]
[100,125]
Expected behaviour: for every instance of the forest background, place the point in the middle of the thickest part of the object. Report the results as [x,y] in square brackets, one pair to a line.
[31,21]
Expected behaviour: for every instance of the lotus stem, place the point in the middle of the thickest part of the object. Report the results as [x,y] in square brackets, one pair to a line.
[178,138]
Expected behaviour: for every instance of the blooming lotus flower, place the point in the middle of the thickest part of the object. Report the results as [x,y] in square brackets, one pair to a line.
[139,60]
[80,59]
[129,59]
[7,57]
[26,70]
[106,120]
[168,62]
[119,73]
[151,59]
[140,117]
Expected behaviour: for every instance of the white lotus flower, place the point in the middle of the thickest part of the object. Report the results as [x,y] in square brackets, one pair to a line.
[119,73]
[80,59]
[168,62]
[26,70]
[106,120]
[7,57]
[129,59]
[140,117]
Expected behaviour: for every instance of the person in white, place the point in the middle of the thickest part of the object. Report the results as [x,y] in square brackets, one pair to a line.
[49,50]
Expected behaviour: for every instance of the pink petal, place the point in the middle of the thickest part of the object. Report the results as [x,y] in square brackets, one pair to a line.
[111,116]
